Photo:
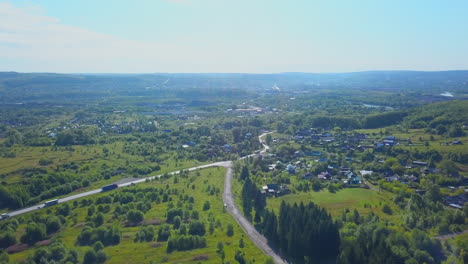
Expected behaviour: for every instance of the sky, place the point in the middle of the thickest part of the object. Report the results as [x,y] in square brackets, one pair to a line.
[249,36]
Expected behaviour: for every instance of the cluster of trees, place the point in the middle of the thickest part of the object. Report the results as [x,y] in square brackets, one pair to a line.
[110,235]
[56,252]
[304,233]
[146,233]
[440,118]
[251,196]
[368,240]
[76,137]
[185,242]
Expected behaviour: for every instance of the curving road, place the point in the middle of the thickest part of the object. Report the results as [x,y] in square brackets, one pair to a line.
[228,198]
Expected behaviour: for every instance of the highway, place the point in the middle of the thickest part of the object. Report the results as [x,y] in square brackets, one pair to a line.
[96,191]
[228,199]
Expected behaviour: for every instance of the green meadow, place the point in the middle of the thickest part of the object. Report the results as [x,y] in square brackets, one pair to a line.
[128,251]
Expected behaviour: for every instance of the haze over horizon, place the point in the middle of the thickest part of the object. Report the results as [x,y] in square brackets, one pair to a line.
[207,36]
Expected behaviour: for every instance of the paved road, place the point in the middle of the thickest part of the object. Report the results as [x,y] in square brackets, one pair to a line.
[228,199]
[96,191]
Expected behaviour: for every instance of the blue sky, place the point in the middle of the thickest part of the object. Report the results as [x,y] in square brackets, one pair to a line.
[232,36]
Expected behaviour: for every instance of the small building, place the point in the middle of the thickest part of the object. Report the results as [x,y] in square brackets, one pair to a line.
[419,163]
[227,148]
[355,180]
[313,153]
[325,175]
[291,169]
[298,154]
[365,172]
[393,178]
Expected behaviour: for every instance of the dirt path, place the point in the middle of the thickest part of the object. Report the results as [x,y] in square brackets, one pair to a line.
[254,235]
[449,236]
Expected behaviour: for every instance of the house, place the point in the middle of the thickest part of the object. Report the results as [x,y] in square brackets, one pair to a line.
[364,147]
[313,153]
[354,180]
[412,178]
[291,169]
[324,175]
[275,189]
[419,163]
[227,148]
[307,176]
[349,174]
[298,154]
[365,172]
[457,199]
[393,178]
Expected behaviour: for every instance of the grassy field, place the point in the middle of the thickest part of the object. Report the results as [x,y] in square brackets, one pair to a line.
[91,157]
[364,200]
[155,252]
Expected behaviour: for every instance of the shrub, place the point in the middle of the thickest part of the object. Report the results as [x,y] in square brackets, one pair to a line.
[135,216]
[34,232]
[53,224]
[230,230]
[197,228]
[386,209]
[164,233]
[206,206]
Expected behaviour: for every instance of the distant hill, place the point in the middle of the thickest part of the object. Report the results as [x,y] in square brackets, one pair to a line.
[16,86]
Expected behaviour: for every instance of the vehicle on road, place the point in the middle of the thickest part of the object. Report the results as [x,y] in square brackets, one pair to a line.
[4,216]
[109,187]
[225,205]
[51,202]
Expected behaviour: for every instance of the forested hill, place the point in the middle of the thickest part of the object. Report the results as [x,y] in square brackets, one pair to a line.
[442,117]
[438,115]
[14,86]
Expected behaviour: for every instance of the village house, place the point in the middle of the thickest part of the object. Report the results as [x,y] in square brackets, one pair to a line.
[325,175]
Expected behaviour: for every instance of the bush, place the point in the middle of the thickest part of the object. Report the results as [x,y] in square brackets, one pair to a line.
[230,230]
[108,236]
[7,239]
[90,256]
[45,162]
[99,219]
[53,224]
[98,246]
[34,232]
[134,216]
[386,209]
[185,243]
[197,228]
[145,234]
[206,206]
[164,233]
